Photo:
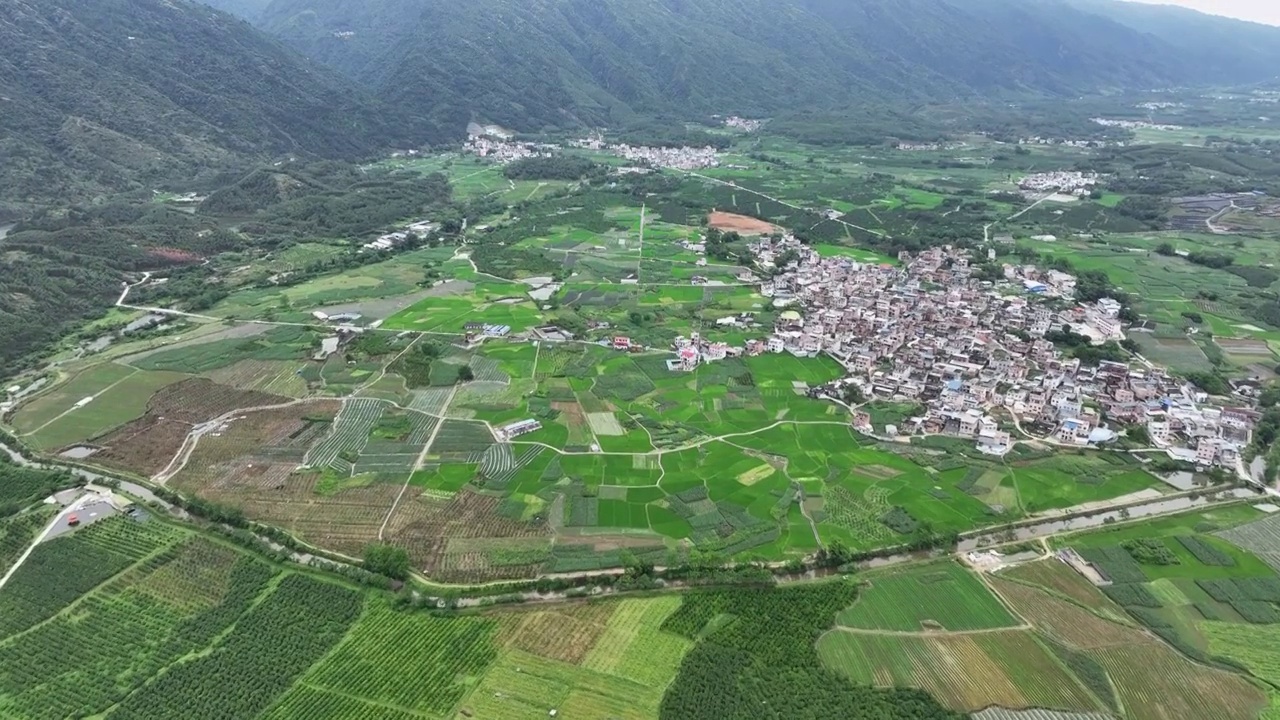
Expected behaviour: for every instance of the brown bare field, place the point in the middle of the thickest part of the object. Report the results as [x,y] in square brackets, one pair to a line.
[146,445]
[143,446]
[571,412]
[740,224]
[605,543]
[567,633]
[252,463]
[199,399]
[879,472]
[424,526]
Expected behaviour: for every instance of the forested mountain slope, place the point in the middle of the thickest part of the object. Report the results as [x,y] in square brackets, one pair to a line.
[100,95]
[1202,38]
[531,64]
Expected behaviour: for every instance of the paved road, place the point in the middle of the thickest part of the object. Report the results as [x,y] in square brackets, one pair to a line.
[58,526]
[89,513]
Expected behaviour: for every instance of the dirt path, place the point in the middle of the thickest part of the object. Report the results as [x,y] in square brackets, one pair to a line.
[931,633]
[686,446]
[193,438]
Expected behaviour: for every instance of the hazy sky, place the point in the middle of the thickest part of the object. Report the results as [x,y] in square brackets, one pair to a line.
[1264,11]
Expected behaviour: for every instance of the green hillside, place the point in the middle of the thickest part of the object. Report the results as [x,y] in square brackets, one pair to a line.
[557,63]
[101,95]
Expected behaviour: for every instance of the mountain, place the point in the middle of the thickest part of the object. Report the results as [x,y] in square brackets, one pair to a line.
[105,95]
[1200,37]
[533,64]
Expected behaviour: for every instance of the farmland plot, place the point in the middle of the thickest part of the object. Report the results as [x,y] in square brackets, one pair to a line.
[500,463]
[945,596]
[1260,537]
[61,570]
[634,647]
[1157,683]
[349,435]
[565,634]
[427,527]
[126,631]
[462,440]
[1007,668]
[445,653]
[1002,714]
[17,532]
[254,466]
[431,401]
[1057,576]
[522,685]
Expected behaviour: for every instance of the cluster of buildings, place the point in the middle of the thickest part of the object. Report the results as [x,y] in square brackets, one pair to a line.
[678,158]
[925,146]
[1194,432]
[1070,182]
[1064,142]
[1135,124]
[503,151]
[390,240]
[734,122]
[973,353]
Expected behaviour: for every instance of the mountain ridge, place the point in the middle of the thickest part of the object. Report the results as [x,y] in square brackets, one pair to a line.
[536,64]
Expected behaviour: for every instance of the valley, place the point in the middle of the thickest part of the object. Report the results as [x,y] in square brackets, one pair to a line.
[650,360]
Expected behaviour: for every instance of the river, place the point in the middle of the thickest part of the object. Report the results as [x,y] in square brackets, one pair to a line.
[133,489]
[1133,512]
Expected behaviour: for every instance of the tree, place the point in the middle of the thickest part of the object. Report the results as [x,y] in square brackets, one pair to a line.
[853,395]
[387,560]
[1270,396]
[1166,249]
[465,374]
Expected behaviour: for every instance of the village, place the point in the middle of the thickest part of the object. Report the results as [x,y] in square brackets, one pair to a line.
[973,354]
[1069,182]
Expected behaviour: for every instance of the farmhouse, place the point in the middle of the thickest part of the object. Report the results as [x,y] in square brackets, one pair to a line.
[516,429]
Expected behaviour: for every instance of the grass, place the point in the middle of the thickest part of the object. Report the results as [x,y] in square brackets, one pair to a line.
[112,406]
[87,383]
[1065,480]
[942,596]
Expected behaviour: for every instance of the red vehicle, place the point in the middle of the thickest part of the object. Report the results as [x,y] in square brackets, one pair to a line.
[73,520]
